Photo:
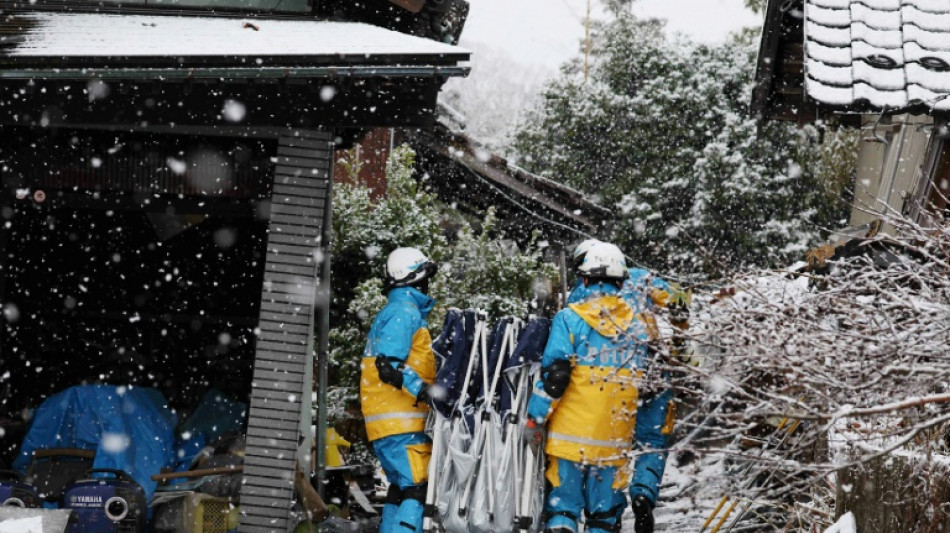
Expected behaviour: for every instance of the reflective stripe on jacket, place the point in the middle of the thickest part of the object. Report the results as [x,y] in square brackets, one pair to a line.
[398,333]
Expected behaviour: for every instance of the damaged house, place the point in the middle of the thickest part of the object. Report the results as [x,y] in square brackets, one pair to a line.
[882,66]
[166,169]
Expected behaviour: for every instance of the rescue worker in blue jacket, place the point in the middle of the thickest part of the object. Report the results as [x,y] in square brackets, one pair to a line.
[646,293]
[588,397]
[397,369]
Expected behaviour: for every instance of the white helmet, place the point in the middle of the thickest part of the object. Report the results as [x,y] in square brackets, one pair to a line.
[408,266]
[603,260]
[581,250]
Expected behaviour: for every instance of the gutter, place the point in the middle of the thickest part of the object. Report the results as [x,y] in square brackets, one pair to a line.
[223,73]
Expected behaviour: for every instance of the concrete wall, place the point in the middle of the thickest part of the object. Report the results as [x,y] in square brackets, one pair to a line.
[889,173]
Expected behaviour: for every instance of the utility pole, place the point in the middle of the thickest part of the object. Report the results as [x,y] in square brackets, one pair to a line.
[587,43]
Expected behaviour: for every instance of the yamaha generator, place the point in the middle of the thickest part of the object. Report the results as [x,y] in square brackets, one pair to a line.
[108,501]
[13,491]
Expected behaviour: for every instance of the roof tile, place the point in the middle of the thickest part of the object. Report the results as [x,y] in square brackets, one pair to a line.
[882,53]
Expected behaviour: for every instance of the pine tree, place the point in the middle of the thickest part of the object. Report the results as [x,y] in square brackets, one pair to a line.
[661,131]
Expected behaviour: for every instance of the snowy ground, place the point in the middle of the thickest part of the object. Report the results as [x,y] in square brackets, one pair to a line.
[688,495]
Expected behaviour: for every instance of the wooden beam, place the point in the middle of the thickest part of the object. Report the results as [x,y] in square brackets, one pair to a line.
[413,6]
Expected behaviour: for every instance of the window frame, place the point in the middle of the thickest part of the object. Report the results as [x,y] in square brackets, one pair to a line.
[922,207]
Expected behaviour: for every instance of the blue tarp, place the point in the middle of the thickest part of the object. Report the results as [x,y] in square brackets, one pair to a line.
[453,348]
[215,416]
[528,351]
[130,428]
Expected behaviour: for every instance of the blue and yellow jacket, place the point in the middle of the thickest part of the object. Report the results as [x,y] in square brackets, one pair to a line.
[399,333]
[600,417]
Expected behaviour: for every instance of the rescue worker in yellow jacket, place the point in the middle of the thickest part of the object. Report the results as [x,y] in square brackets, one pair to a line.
[397,369]
[588,396]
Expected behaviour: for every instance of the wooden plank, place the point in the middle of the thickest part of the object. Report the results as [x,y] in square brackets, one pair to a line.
[297,222]
[261,480]
[302,179]
[293,339]
[278,282]
[265,506]
[267,455]
[291,369]
[285,237]
[284,386]
[287,318]
[284,268]
[277,458]
[287,298]
[248,528]
[267,515]
[268,497]
[308,172]
[279,380]
[305,291]
[313,215]
[273,439]
[281,190]
[284,312]
[299,285]
[317,198]
[290,259]
[275,326]
[286,425]
[299,162]
[282,396]
[278,525]
[273,409]
[279,227]
[309,201]
[310,152]
[284,308]
[280,479]
[276,416]
[292,250]
[282,464]
[278,366]
[277,446]
[280,352]
[298,358]
[309,141]
[249,524]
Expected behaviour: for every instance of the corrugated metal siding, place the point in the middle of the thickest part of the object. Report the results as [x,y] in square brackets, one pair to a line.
[283,370]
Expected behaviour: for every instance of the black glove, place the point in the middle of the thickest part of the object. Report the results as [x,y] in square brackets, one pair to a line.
[642,514]
[424,395]
[388,374]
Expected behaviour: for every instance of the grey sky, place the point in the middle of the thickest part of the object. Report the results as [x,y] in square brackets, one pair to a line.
[547,32]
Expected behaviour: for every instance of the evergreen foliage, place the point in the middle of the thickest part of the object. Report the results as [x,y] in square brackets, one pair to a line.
[478,268]
[661,131]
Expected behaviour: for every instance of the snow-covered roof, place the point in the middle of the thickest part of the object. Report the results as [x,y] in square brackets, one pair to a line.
[882,53]
[34,36]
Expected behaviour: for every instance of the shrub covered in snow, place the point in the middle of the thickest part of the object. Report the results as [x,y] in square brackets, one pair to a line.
[661,131]
[810,373]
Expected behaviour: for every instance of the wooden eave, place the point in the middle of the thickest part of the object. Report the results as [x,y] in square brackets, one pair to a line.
[779,92]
